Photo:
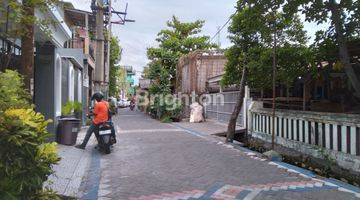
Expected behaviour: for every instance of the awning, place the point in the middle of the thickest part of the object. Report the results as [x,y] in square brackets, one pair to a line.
[75,55]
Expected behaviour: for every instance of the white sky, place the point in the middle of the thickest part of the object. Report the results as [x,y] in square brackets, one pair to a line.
[151,17]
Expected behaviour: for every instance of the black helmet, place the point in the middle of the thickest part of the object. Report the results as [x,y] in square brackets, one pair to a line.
[98,96]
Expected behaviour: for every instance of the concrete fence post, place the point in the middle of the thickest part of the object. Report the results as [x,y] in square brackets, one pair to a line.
[245,106]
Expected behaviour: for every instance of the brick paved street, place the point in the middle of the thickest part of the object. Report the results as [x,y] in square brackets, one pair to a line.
[153,160]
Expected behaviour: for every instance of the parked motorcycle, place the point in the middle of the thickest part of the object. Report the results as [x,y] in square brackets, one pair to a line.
[104,134]
[105,137]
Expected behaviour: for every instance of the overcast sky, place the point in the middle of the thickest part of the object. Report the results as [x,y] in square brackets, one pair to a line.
[151,17]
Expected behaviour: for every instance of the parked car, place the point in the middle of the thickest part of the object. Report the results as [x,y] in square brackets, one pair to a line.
[127,103]
[120,103]
[123,103]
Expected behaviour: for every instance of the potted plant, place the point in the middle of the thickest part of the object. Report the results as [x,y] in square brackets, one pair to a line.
[77,107]
[72,109]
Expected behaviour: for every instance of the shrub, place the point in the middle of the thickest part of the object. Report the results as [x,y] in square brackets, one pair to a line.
[12,94]
[77,107]
[170,108]
[176,110]
[71,107]
[166,119]
[141,99]
[25,155]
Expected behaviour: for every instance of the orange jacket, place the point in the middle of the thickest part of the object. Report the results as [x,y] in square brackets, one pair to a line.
[101,112]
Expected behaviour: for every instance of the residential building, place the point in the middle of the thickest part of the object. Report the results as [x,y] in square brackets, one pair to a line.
[58,73]
[83,26]
[130,79]
[144,84]
[194,69]
[61,71]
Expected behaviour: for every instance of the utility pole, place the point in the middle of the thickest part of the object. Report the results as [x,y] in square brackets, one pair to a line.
[103,12]
[97,6]
[108,40]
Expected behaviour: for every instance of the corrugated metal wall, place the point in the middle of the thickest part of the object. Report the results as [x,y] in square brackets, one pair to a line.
[221,111]
[195,69]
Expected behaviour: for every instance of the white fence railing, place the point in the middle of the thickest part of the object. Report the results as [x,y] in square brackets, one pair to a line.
[337,132]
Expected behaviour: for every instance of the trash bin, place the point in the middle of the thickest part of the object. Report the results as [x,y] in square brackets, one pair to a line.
[68,130]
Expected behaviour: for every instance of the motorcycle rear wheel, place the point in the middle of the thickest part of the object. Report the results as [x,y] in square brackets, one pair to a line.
[107,149]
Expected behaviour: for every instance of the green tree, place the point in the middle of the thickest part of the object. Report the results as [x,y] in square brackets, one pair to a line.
[178,39]
[325,48]
[145,72]
[122,80]
[252,33]
[115,73]
[344,16]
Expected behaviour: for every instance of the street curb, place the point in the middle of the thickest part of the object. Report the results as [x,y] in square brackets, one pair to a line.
[342,186]
[92,185]
[307,173]
[188,130]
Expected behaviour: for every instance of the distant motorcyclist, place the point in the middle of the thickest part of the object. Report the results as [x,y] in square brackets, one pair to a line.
[101,115]
[132,102]
[133,99]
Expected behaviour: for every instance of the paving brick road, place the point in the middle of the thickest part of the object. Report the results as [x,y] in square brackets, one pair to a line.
[153,160]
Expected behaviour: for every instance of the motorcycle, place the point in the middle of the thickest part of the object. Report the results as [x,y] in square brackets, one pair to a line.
[105,137]
[132,106]
[104,134]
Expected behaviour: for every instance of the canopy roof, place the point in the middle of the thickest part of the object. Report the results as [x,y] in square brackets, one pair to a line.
[75,17]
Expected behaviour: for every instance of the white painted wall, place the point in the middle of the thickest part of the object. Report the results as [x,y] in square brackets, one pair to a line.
[71,80]
[60,32]
[57,85]
[79,89]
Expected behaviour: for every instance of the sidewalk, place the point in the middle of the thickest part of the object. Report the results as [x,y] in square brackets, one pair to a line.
[71,169]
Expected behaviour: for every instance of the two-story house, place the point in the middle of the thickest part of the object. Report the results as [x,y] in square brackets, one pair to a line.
[64,59]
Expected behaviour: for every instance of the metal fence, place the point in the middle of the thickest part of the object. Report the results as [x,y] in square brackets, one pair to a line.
[222,106]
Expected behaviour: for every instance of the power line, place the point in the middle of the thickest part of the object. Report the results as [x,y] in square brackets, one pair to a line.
[219,30]
[219,38]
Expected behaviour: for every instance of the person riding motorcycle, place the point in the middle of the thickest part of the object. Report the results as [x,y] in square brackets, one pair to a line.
[133,99]
[132,102]
[101,115]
